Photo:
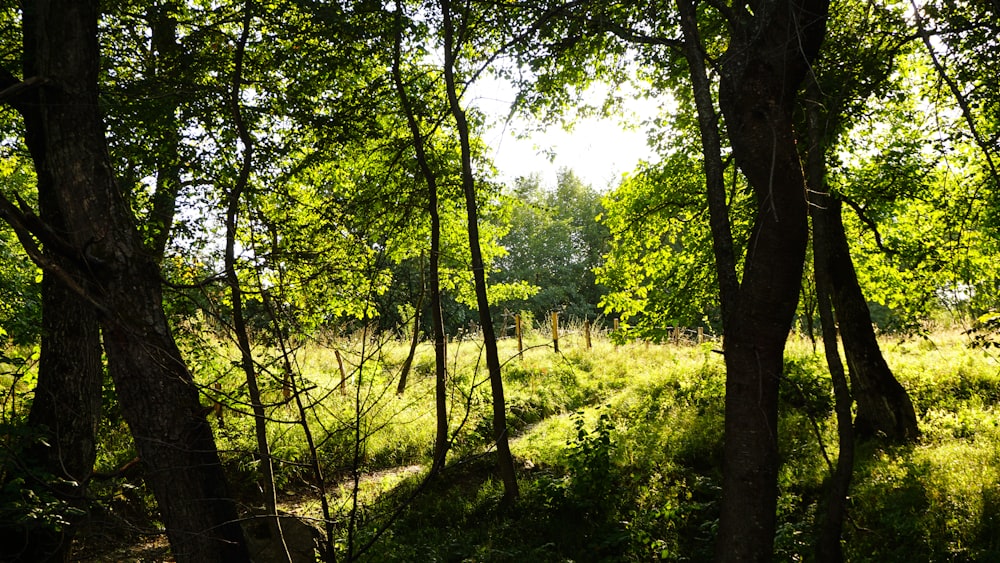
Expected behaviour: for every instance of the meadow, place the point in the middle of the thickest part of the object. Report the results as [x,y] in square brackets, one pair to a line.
[618,448]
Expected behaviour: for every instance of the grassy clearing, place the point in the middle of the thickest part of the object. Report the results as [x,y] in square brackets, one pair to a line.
[620,450]
[624,463]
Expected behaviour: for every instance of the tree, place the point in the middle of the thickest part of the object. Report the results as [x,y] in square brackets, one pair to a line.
[60,447]
[101,259]
[771,47]
[58,451]
[965,67]
[452,27]
[434,275]
[660,270]
[835,92]
[555,243]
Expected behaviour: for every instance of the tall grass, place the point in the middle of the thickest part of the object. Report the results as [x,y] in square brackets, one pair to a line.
[620,450]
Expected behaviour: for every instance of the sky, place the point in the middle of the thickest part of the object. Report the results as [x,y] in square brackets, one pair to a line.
[599,151]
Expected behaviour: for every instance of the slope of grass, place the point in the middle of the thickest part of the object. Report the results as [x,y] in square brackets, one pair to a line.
[619,450]
[624,463]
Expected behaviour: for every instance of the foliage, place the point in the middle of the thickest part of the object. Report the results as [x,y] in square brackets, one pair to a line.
[554,244]
[620,449]
[662,440]
[20,298]
[333,228]
[660,270]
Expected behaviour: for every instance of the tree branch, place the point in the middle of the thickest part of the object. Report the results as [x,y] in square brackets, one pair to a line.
[16,218]
[627,34]
[14,88]
[960,98]
[868,221]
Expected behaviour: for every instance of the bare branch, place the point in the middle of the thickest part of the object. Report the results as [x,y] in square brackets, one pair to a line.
[869,222]
[12,88]
[17,221]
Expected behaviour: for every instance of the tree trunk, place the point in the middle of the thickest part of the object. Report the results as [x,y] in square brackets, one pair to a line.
[884,407]
[404,372]
[275,538]
[434,274]
[66,407]
[768,57]
[831,520]
[64,413]
[504,458]
[163,30]
[158,397]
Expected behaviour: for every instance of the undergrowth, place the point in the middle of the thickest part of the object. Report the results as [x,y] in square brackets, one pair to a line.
[619,450]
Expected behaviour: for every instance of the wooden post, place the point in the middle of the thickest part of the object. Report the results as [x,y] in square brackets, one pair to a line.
[217,406]
[517,332]
[677,335]
[555,331]
[701,335]
[614,325]
[343,372]
[586,332]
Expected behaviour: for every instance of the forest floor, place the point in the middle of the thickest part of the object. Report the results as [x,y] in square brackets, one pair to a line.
[619,450]
[114,538]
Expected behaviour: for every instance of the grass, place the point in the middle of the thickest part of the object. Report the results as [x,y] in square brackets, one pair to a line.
[619,450]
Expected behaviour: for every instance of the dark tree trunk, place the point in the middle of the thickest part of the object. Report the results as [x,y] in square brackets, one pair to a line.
[275,538]
[711,142]
[769,54]
[831,519]
[441,441]
[404,372]
[67,397]
[163,26]
[884,407]
[157,395]
[65,412]
[505,459]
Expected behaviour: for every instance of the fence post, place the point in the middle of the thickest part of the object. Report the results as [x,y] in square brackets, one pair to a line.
[217,406]
[701,335]
[677,335]
[343,372]
[586,332]
[555,331]
[614,325]
[517,332]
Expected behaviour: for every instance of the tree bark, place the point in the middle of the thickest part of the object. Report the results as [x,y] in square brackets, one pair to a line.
[711,142]
[441,441]
[769,54]
[64,413]
[884,407]
[66,407]
[831,519]
[158,397]
[504,458]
